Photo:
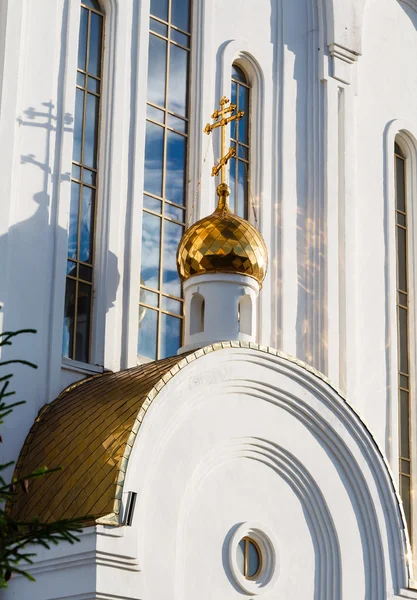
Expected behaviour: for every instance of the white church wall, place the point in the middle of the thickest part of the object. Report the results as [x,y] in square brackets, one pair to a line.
[387,73]
[221,459]
[318,151]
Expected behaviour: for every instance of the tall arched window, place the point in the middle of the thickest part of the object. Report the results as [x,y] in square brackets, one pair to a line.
[403,333]
[80,264]
[164,203]
[239,137]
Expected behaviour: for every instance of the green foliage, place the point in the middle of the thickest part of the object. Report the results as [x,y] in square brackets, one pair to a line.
[15,536]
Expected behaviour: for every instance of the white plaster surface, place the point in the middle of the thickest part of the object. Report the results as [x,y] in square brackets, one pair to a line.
[333,83]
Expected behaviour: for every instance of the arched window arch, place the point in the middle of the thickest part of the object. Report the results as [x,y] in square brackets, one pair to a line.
[239,137]
[80,263]
[405,471]
[165,180]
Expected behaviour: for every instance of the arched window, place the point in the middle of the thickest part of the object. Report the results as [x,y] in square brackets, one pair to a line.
[245,308]
[80,264]
[403,333]
[164,203]
[239,137]
[197,310]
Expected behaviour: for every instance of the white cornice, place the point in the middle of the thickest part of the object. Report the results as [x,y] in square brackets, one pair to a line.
[338,51]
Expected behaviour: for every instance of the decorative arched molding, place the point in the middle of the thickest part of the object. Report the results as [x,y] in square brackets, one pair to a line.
[405,134]
[305,488]
[239,52]
[321,410]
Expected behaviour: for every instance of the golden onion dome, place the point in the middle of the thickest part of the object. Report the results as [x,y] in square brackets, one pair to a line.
[222,243]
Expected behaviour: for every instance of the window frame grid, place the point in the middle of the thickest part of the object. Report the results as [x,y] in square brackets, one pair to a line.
[81,166]
[164,201]
[237,143]
[403,377]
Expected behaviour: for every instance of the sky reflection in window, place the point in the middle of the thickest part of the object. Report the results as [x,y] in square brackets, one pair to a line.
[164,178]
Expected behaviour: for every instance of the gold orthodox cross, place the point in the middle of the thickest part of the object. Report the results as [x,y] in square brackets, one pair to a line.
[222,120]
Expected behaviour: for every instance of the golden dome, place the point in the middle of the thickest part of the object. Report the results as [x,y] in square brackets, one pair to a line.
[222,242]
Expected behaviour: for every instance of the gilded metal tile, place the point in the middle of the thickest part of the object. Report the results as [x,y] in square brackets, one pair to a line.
[86,431]
[222,242]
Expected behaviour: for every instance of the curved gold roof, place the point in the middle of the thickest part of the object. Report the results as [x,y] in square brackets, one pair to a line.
[88,431]
[222,242]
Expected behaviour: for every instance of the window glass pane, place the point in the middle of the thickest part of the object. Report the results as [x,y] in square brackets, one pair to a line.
[232,183]
[173,306]
[73,220]
[158,27]
[243,123]
[154,151]
[157,70]
[93,85]
[94,59]
[402,258]
[175,168]
[238,74]
[69,315]
[170,335]
[170,281]
[89,177]
[178,76]
[174,212]
[402,299]
[180,38]
[403,339]
[180,14]
[177,124]
[147,297]
[87,225]
[233,101]
[71,268]
[148,332]
[404,421]
[81,79]
[94,4]
[405,490]
[253,560]
[401,219]
[155,114]
[242,190]
[159,8]
[152,204]
[240,556]
[242,152]
[82,339]
[405,467]
[76,172]
[400,180]
[82,40]
[86,273]
[78,125]
[404,381]
[91,131]
[151,243]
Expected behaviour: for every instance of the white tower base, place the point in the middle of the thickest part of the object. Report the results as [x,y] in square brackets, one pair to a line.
[219,307]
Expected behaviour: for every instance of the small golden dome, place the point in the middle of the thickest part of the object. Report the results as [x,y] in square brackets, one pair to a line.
[222,242]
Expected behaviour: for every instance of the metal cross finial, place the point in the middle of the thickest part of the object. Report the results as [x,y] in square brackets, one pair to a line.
[222,121]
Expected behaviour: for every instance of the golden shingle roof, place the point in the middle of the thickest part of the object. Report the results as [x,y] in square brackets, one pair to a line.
[222,242]
[88,431]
